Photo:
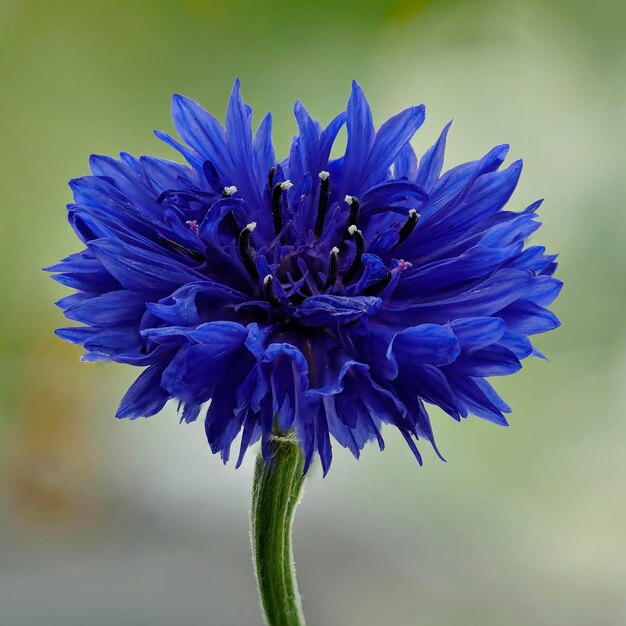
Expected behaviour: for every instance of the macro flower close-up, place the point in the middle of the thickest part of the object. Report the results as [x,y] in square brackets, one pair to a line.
[323,284]
[328,296]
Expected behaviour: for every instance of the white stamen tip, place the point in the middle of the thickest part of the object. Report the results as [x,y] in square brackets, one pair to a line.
[251,226]
[229,191]
[324,175]
[349,199]
[286,185]
[413,213]
[335,250]
[268,279]
[352,229]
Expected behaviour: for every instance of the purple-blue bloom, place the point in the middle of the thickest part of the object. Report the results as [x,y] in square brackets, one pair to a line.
[328,296]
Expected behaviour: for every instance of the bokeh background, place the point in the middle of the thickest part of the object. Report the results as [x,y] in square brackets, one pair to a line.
[106,522]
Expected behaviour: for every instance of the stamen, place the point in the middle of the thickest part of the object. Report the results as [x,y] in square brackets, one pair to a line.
[270,177]
[333,269]
[268,290]
[193,226]
[353,217]
[196,256]
[408,227]
[360,249]
[277,193]
[378,286]
[245,250]
[230,216]
[322,206]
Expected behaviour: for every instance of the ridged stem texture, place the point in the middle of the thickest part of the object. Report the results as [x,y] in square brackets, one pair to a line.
[276,491]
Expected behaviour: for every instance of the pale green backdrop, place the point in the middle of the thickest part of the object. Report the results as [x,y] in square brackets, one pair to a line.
[106,523]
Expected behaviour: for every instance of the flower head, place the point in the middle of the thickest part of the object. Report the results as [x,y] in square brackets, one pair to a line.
[325,296]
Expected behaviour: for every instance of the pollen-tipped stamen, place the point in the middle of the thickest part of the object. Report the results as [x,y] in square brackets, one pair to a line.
[245,250]
[333,269]
[357,235]
[322,205]
[353,216]
[268,290]
[408,227]
[277,194]
[227,192]
[270,177]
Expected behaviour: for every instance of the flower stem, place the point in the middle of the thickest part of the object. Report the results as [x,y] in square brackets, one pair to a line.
[276,491]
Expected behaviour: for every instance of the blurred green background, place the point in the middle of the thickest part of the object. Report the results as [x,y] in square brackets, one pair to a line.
[106,522]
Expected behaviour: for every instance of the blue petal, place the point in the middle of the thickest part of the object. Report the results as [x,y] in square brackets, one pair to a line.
[432,161]
[164,174]
[392,191]
[493,360]
[459,178]
[439,276]
[183,306]
[193,158]
[239,133]
[221,337]
[543,290]
[83,271]
[114,308]
[141,270]
[327,310]
[77,334]
[200,367]
[405,165]
[529,318]
[360,140]
[99,193]
[145,397]
[391,138]
[517,343]
[427,343]
[122,177]
[289,382]
[263,151]
[329,135]
[486,196]
[308,143]
[482,300]
[430,384]
[477,402]
[200,130]
[475,333]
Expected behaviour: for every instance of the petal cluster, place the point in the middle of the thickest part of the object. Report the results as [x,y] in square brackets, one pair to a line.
[328,296]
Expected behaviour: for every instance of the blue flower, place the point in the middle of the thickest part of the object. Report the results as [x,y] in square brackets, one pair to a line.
[327,296]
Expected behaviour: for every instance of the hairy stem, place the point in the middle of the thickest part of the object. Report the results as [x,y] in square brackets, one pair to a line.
[276,491]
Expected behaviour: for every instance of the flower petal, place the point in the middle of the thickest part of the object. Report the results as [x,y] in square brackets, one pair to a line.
[145,397]
[328,310]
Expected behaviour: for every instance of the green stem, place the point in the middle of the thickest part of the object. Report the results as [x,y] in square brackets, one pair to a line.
[276,491]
